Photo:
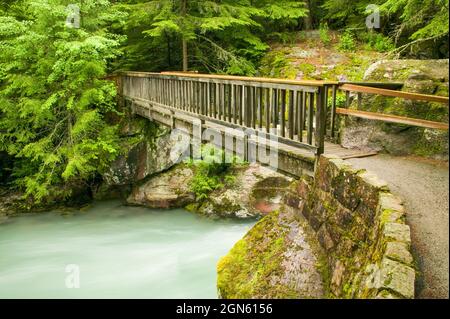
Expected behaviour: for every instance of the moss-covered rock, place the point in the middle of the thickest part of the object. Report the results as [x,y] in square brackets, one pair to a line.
[361,226]
[274,260]
[311,59]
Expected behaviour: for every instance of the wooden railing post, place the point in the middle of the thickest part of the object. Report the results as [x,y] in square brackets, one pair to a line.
[333,112]
[320,121]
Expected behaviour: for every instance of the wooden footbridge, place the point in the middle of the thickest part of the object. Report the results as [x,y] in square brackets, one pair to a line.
[300,116]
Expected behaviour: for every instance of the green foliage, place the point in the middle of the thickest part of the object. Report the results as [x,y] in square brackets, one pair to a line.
[275,64]
[420,19]
[377,41]
[347,41]
[53,100]
[402,20]
[222,36]
[340,100]
[212,172]
[347,13]
[324,33]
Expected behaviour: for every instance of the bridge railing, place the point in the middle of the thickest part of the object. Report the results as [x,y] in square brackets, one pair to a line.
[381,89]
[294,112]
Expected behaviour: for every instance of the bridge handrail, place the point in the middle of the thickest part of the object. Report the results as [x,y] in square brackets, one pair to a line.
[293,111]
[393,93]
[264,103]
[390,118]
[393,119]
[315,83]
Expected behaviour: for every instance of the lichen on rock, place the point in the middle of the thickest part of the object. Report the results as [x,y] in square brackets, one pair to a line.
[353,228]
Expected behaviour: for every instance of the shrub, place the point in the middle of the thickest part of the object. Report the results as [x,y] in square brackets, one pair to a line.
[340,100]
[347,41]
[211,172]
[324,34]
[378,42]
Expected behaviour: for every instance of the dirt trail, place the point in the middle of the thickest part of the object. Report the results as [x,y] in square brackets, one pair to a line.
[424,187]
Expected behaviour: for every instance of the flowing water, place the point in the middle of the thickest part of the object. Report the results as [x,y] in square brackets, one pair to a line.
[114,251]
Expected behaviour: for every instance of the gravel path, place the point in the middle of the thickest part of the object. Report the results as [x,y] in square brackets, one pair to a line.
[424,187]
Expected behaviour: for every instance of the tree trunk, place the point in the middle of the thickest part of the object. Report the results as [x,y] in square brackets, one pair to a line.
[184,42]
[169,51]
[308,20]
[185,56]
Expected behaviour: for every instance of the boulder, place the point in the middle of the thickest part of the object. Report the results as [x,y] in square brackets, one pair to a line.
[256,191]
[167,190]
[277,258]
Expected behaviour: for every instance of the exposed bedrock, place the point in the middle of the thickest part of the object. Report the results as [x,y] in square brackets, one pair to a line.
[146,148]
[146,151]
[274,260]
[255,191]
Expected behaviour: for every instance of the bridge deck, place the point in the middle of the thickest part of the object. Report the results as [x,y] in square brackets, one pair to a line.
[346,153]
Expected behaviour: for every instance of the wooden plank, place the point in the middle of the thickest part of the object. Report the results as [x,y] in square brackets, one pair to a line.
[320,121]
[260,107]
[167,110]
[310,118]
[291,119]
[239,78]
[301,115]
[359,155]
[283,113]
[392,93]
[393,119]
[268,110]
[380,85]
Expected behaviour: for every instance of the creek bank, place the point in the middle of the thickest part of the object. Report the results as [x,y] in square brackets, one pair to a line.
[13,202]
[254,191]
[145,151]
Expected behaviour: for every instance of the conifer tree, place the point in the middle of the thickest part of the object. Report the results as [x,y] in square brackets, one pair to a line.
[53,100]
[222,36]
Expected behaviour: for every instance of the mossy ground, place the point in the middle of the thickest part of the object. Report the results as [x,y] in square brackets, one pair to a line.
[310,59]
